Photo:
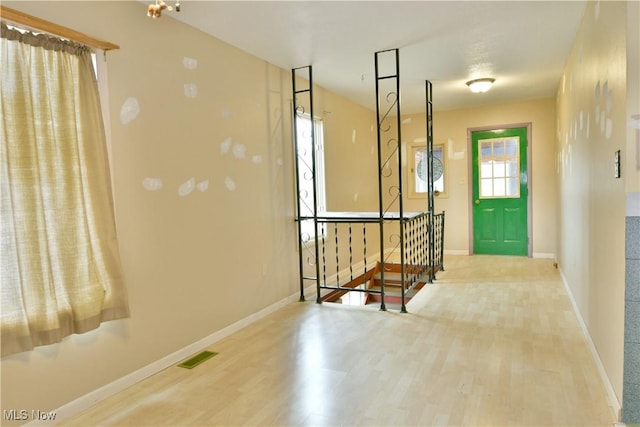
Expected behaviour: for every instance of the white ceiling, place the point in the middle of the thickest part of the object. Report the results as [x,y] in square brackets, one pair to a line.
[522,44]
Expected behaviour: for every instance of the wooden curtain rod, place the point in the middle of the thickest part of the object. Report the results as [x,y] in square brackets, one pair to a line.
[21,18]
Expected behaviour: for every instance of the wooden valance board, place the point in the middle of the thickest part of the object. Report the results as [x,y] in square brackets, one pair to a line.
[21,18]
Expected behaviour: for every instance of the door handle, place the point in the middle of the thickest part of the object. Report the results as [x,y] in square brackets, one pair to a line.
[477,202]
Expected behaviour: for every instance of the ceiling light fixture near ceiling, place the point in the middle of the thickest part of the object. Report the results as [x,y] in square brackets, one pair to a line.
[480,85]
[154,10]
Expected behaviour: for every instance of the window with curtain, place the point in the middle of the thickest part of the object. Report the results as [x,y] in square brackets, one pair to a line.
[60,270]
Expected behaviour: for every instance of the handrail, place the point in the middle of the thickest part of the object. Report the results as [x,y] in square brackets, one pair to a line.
[345,250]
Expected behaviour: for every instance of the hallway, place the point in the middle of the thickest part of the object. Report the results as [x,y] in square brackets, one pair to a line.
[493,342]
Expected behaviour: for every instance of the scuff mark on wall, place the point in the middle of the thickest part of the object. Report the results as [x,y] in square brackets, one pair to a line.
[203,186]
[190,63]
[152,184]
[129,110]
[187,187]
[190,90]
[239,151]
[225,145]
[230,184]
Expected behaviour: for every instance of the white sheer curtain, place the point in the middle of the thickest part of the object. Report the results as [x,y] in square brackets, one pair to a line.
[59,264]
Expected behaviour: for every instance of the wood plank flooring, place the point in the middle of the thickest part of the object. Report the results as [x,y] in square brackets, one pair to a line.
[494,342]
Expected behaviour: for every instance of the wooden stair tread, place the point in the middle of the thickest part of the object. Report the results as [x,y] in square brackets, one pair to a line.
[395,279]
[394,291]
[392,283]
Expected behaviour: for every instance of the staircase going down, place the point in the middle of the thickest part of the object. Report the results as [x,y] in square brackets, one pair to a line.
[370,282]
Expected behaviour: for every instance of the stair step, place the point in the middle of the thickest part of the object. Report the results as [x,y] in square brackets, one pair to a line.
[391,295]
[393,291]
[372,279]
[394,280]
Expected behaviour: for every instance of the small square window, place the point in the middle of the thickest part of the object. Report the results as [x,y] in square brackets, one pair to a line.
[418,168]
[499,165]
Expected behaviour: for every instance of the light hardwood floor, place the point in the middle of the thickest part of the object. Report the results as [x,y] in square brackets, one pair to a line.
[494,342]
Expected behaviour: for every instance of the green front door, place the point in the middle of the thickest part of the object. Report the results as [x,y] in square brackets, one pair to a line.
[499,167]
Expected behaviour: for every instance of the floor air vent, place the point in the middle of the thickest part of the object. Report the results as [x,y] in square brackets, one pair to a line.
[197,359]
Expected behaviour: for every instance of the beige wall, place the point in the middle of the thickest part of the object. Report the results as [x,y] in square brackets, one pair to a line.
[591,207]
[193,263]
[350,154]
[450,128]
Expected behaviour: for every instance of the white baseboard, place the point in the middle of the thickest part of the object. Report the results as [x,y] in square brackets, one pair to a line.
[612,398]
[544,255]
[466,252]
[84,402]
[456,252]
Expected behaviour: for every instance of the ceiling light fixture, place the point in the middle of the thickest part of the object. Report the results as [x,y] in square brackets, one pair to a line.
[154,10]
[480,85]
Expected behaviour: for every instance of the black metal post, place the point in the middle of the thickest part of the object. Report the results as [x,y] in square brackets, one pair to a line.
[430,190]
[299,218]
[380,202]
